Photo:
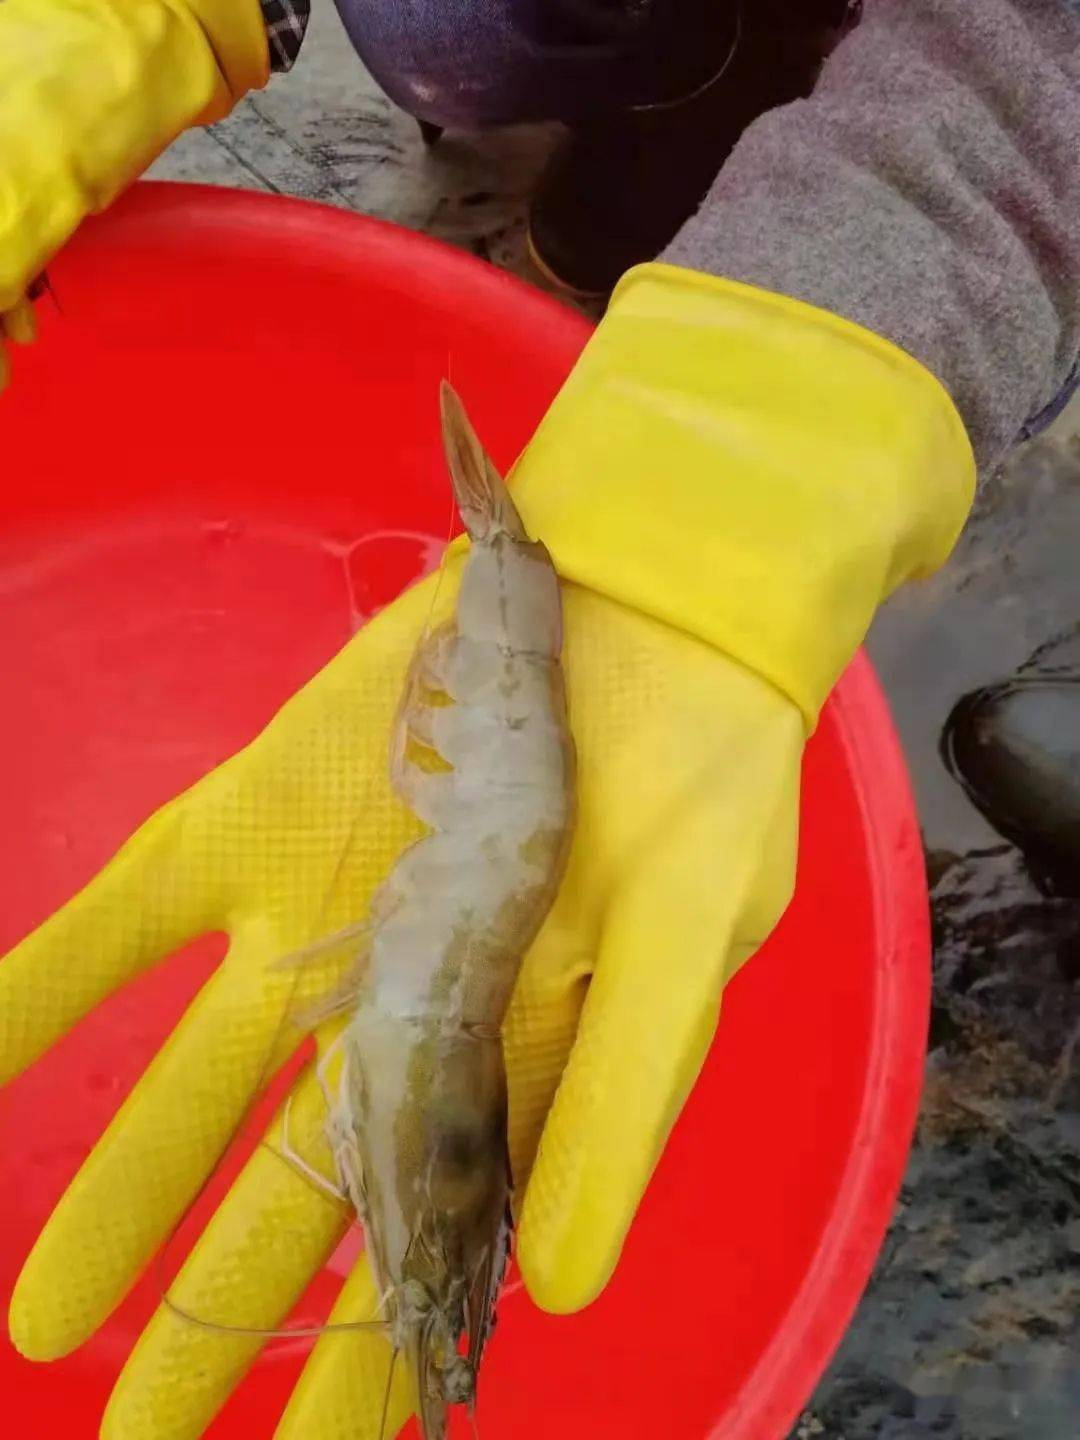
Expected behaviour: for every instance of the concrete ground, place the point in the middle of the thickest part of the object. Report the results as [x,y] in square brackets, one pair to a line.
[326,132]
[970,1328]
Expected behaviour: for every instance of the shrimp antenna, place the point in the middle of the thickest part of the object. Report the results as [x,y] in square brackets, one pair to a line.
[44,286]
[386,1393]
[309,1331]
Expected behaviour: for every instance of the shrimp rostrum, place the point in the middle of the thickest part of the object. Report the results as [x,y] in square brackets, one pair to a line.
[481,753]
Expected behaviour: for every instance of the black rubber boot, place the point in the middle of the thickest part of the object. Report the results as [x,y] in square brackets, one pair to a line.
[1015,748]
[624,184]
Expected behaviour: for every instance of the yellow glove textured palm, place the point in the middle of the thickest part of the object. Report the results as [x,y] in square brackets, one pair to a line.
[91,92]
[730,483]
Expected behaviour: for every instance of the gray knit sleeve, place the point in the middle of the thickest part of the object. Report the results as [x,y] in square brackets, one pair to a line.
[930,190]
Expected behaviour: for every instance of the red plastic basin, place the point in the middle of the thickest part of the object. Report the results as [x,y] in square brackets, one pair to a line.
[221,457]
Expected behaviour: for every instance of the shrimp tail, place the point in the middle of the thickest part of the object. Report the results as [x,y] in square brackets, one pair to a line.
[479,490]
[285,1332]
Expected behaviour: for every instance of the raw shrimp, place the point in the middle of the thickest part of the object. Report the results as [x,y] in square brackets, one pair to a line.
[482,753]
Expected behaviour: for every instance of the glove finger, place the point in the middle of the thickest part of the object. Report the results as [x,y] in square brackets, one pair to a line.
[343,1389]
[538,1036]
[637,1052]
[137,909]
[670,941]
[272,1232]
[18,324]
[156,1154]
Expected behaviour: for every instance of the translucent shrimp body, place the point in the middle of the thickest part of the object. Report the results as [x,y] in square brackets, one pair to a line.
[482,753]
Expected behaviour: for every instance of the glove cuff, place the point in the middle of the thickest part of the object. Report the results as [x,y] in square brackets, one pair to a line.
[236,30]
[749,469]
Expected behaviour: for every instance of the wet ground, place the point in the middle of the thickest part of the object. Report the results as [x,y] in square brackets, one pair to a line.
[970,1329]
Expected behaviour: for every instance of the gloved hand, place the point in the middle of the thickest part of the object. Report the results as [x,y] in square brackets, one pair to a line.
[91,92]
[730,483]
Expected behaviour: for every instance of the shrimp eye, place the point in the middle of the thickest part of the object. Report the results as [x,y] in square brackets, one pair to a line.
[458,1382]
[414,1301]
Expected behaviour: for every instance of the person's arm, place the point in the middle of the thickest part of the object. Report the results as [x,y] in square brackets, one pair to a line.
[928,190]
[286,24]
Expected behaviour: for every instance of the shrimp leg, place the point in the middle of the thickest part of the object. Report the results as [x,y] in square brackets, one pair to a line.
[337,1129]
[288,1153]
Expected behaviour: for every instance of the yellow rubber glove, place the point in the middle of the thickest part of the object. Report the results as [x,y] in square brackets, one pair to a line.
[91,92]
[730,482]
